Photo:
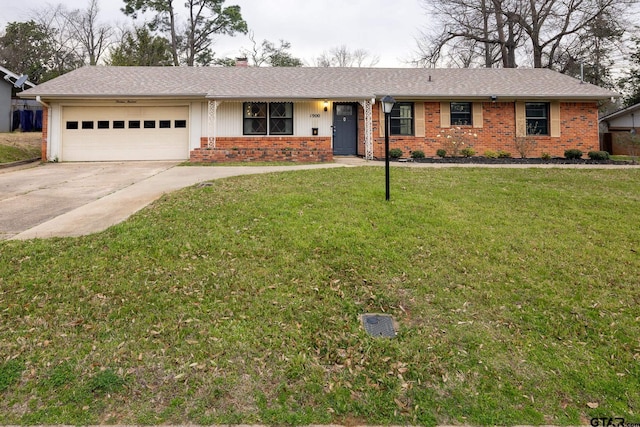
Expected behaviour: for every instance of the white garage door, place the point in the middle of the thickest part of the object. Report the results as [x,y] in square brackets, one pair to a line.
[125,133]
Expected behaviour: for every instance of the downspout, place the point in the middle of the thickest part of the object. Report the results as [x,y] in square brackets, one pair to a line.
[45,140]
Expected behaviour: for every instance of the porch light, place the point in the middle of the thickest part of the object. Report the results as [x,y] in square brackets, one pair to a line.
[326,105]
[387,106]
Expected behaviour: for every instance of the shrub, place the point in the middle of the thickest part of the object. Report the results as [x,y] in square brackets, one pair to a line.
[441,152]
[395,153]
[417,154]
[525,145]
[598,155]
[504,154]
[573,153]
[455,139]
[545,156]
[467,152]
[490,154]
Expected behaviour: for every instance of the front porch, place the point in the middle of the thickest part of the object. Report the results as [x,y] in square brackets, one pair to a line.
[312,139]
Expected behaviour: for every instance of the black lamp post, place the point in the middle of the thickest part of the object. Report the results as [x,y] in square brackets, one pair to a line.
[387,106]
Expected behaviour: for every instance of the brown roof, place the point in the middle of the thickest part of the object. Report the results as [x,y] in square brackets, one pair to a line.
[315,83]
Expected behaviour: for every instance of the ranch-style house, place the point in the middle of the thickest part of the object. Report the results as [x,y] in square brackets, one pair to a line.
[216,114]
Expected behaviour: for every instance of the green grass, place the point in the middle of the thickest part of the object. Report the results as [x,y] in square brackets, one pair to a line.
[10,153]
[516,292]
[623,158]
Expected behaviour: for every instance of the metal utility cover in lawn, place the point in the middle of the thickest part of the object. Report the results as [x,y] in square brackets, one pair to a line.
[379,325]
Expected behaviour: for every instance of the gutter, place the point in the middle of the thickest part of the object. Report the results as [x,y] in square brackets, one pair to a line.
[40,101]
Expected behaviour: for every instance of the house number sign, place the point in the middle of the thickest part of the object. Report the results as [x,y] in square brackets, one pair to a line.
[314,116]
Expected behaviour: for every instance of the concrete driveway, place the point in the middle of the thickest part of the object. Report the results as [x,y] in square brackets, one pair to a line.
[74,199]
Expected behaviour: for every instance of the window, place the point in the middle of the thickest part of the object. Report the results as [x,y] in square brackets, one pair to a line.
[164,124]
[281,118]
[72,125]
[118,124]
[279,114]
[461,114]
[103,124]
[344,110]
[537,116]
[134,124]
[149,124]
[87,125]
[180,124]
[401,119]
[254,118]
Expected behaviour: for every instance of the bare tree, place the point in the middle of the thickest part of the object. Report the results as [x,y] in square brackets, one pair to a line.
[503,31]
[472,33]
[93,36]
[66,50]
[269,54]
[342,56]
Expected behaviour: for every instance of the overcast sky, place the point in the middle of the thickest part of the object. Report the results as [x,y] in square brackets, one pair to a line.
[386,28]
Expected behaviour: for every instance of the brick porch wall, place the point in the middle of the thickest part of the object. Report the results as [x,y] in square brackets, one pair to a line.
[266,149]
[578,129]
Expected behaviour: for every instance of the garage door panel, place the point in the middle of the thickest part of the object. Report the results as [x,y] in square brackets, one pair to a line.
[156,136]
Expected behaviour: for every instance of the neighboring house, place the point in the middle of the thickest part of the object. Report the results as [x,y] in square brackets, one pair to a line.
[307,114]
[16,114]
[620,129]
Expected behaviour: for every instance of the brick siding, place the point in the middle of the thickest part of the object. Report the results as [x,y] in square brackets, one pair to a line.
[267,149]
[578,129]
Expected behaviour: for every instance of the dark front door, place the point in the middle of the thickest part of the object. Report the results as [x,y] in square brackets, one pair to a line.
[345,129]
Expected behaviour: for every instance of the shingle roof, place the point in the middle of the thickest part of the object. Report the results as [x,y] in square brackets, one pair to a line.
[622,112]
[315,83]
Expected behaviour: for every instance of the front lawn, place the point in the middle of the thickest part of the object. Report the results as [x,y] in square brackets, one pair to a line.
[516,294]
[9,154]
[17,146]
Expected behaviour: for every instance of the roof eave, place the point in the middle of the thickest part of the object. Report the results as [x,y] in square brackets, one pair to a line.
[68,97]
[622,112]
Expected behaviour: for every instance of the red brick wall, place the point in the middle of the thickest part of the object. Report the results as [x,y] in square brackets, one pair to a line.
[45,133]
[578,129]
[267,149]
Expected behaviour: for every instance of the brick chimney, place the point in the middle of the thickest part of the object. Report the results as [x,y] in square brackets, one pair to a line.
[242,62]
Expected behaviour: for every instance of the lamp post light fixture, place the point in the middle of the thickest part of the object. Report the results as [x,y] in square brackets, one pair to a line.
[387,106]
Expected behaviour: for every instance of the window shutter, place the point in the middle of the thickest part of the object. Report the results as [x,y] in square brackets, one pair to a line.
[382,123]
[521,119]
[445,115]
[477,115]
[554,124]
[418,112]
